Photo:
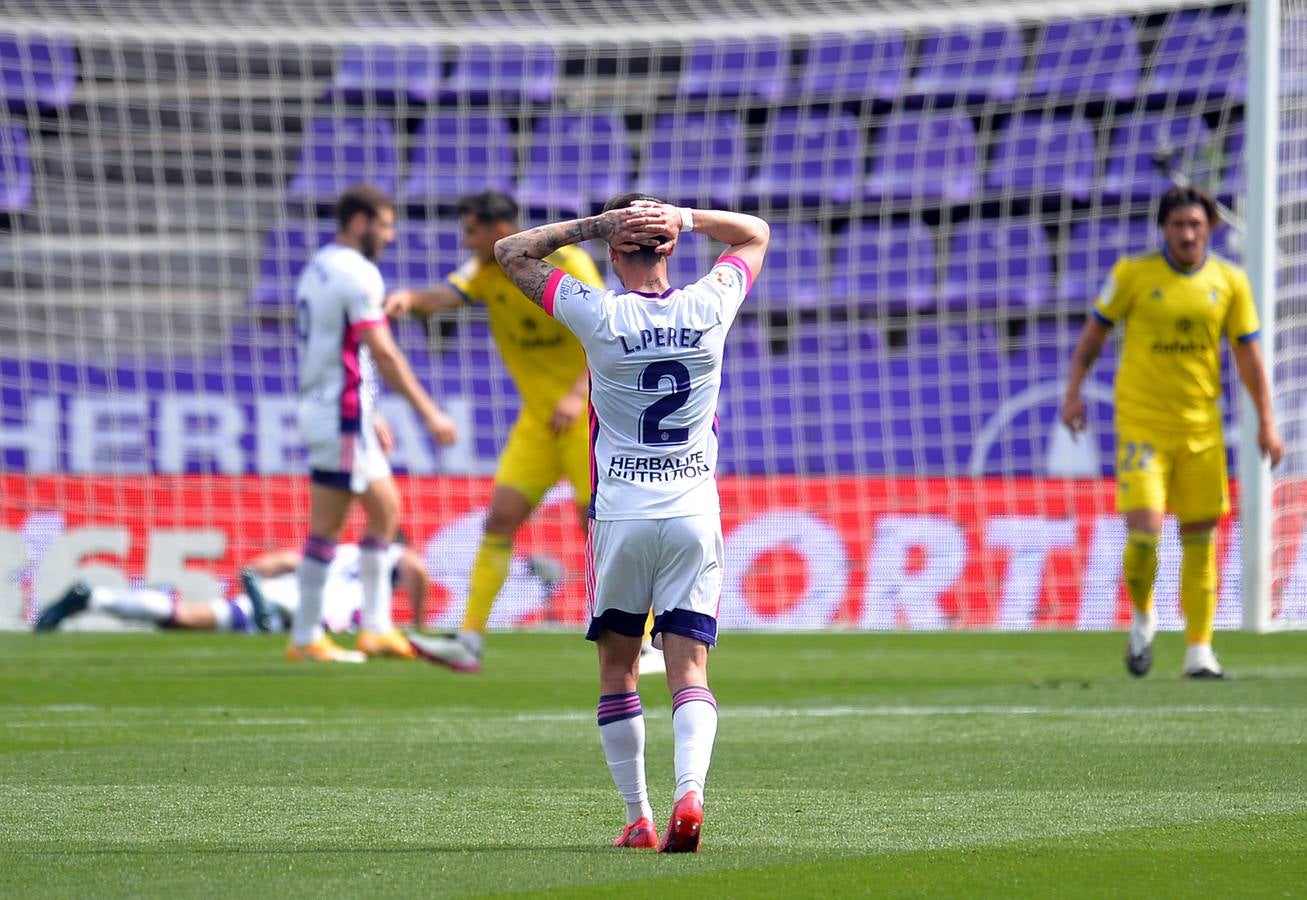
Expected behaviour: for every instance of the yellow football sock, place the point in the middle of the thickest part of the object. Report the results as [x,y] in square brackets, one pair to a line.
[648,625]
[1139,561]
[489,572]
[1198,584]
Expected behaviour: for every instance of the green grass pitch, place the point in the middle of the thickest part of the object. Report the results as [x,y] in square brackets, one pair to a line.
[950,765]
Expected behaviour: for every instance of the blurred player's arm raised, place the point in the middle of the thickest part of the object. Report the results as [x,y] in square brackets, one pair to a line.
[422,302]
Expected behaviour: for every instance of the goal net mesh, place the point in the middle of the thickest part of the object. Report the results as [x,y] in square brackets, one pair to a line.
[946,190]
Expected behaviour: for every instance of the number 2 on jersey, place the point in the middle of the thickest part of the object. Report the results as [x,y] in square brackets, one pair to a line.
[652,431]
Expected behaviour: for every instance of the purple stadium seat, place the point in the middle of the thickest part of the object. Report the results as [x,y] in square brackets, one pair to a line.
[503,73]
[1043,154]
[1002,265]
[792,278]
[285,253]
[1200,56]
[1086,59]
[576,162]
[15,169]
[732,69]
[459,153]
[337,153]
[888,267]
[854,66]
[972,64]
[39,72]
[1092,249]
[923,157]
[694,158]
[386,72]
[1130,174]
[425,255]
[809,156]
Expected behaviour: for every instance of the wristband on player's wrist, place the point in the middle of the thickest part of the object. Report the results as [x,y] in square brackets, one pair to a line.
[687,218]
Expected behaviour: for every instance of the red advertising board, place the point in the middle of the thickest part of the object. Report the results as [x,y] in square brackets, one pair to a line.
[845,552]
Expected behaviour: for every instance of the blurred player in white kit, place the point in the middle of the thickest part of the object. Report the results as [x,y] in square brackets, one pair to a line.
[655,357]
[344,340]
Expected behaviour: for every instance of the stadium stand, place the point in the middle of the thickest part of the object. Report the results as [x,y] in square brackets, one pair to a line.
[809,157]
[15,169]
[974,64]
[37,72]
[1043,155]
[1086,59]
[980,175]
[575,163]
[459,153]
[924,158]
[852,67]
[384,73]
[731,69]
[888,267]
[338,152]
[695,159]
[502,73]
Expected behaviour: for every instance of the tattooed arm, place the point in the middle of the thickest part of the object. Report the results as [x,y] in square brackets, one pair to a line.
[522,255]
[1086,352]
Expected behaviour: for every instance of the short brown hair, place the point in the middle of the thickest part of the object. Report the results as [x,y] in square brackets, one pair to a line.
[1178,197]
[361,198]
[647,256]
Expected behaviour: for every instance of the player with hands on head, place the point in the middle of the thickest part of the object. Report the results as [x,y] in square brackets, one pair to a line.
[550,438]
[345,340]
[655,543]
[1175,304]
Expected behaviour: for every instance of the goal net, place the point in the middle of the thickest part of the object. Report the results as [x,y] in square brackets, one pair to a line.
[946,188]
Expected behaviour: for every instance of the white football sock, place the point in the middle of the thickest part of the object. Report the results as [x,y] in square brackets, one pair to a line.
[143,604]
[694,727]
[621,731]
[307,625]
[375,579]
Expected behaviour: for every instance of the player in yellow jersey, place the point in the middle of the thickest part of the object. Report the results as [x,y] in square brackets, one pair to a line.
[549,440]
[1175,304]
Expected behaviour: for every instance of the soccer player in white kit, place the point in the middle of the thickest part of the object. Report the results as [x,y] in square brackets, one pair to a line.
[655,358]
[344,340]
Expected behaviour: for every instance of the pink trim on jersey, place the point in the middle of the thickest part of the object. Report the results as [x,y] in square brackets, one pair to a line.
[732,260]
[590,572]
[594,462]
[350,403]
[551,290]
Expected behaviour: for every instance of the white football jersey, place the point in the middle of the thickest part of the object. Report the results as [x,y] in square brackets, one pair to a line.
[655,374]
[342,595]
[338,297]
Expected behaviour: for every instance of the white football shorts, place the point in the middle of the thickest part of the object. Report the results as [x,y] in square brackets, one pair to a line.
[672,566]
[348,461]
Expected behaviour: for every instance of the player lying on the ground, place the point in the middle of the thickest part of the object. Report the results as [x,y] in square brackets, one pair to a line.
[268,603]
[654,352]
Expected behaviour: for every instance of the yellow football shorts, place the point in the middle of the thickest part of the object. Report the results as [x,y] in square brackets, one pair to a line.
[1180,473]
[534,459]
